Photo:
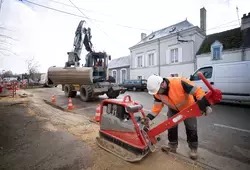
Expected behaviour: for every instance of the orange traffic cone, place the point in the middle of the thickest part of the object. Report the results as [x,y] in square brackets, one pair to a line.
[70,105]
[97,113]
[53,100]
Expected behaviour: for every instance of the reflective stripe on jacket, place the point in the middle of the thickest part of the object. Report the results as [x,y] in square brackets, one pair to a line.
[180,95]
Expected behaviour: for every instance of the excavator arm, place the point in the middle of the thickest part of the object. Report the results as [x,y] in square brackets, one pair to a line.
[75,55]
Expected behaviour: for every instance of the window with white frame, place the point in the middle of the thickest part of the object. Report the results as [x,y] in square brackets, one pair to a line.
[114,74]
[139,61]
[216,53]
[123,75]
[216,50]
[151,59]
[174,55]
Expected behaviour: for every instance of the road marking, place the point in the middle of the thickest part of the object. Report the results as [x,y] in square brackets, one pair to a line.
[234,128]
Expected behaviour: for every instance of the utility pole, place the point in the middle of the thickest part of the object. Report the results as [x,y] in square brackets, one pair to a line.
[1,1]
[237,11]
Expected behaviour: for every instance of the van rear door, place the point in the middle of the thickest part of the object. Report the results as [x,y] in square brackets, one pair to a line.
[233,80]
[208,74]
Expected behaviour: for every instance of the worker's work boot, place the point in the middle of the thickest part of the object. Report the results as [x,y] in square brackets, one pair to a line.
[193,154]
[169,148]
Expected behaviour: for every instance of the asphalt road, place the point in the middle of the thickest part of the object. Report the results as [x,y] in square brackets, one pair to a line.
[225,132]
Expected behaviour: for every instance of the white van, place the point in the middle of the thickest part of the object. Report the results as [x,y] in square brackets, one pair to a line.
[44,80]
[233,79]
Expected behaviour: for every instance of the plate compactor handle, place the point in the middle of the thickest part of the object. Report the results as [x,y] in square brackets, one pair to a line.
[214,95]
[206,82]
[134,108]
[125,97]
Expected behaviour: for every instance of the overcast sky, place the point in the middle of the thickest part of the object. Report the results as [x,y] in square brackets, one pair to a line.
[48,35]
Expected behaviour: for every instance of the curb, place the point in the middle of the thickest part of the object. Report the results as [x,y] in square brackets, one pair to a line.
[198,163]
[66,110]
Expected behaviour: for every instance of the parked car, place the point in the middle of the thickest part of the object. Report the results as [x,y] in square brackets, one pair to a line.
[233,79]
[135,84]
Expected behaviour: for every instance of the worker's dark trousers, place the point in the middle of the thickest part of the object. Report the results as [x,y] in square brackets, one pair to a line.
[191,131]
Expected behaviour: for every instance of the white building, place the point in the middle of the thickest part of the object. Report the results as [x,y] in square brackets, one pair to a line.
[171,50]
[119,69]
[227,46]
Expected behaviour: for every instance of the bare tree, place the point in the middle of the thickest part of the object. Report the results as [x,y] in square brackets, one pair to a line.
[32,65]
[4,74]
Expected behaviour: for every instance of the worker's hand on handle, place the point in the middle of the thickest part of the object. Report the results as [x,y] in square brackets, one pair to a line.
[145,121]
[207,111]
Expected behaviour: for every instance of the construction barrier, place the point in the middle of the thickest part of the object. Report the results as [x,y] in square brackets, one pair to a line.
[53,100]
[97,113]
[70,105]
[8,89]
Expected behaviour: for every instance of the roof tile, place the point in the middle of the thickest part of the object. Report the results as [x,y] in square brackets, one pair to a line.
[119,62]
[183,25]
[230,39]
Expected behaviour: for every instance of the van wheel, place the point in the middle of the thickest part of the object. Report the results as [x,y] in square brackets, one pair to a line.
[134,88]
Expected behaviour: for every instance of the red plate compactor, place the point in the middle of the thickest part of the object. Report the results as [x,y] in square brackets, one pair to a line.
[122,133]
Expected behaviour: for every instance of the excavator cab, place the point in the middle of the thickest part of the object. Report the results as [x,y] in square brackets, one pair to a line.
[99,62]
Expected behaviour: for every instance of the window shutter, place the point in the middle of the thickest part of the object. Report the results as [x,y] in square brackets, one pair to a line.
[168,56]
[155,59]
[135,62]
[143,64]
[180,54]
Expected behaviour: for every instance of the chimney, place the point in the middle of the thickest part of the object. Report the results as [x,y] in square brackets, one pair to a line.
[245,21]
[143,35]
[203,19]
[245,29]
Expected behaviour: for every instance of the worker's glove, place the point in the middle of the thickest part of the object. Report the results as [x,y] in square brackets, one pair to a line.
[203,103]
[145,121]
[207,111]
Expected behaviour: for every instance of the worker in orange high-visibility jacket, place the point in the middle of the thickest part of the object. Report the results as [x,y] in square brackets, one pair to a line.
[177,93]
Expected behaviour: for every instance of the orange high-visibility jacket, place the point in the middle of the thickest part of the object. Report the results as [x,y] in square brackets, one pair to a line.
[180,95]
